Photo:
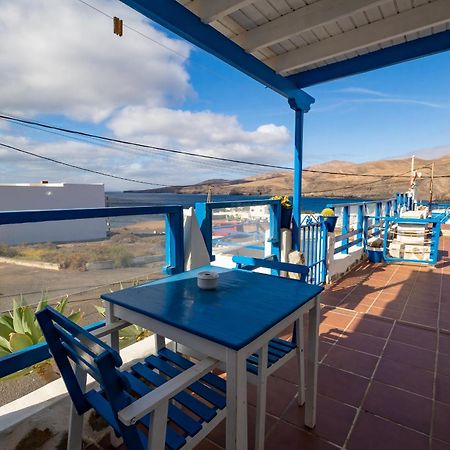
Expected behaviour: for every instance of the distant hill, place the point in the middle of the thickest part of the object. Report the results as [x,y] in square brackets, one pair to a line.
[321,185]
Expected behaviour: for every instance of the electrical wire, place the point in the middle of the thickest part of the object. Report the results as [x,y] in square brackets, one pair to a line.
[85,169]
[182,152]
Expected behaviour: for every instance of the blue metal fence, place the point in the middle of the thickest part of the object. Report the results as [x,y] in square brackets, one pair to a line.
[174,258]
[313,245]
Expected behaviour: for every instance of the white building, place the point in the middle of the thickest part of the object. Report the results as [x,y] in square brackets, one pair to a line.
[44,195]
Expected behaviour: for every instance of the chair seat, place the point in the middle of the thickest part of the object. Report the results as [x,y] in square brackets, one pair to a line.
[198,404]
[278,348]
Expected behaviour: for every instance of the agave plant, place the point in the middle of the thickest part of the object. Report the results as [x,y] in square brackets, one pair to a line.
[19,328]
[130,334]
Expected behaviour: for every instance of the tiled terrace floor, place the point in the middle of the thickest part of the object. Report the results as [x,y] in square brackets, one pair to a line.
[384,375]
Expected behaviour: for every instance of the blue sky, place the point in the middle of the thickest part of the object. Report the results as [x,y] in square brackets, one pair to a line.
[386,113]
[131,88]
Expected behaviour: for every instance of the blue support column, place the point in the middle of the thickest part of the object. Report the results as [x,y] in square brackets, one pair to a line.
[174,243]
[298,163]
[345,226]
[360,225]
[377,215]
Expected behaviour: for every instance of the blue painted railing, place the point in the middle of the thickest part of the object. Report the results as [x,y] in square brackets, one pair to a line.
[432,230]
[313,245]
[29,356]
[366,225]
[204,214]
[174,224]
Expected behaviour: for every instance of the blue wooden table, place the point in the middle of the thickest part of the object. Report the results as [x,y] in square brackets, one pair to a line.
[230,323]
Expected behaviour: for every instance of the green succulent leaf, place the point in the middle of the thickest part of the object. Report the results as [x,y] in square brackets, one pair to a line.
[43,302]
[17,316]
[61,306]
[4,352]
[29,324]
[5,331]
[4,344]
[19,341]
[75,316]
[101,310]
[6,319]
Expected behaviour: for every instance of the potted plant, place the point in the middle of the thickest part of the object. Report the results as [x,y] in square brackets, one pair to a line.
[286,210]
[374,250]
[329,219]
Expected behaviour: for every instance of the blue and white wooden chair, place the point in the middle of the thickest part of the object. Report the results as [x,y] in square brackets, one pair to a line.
[164,402]
[279,351]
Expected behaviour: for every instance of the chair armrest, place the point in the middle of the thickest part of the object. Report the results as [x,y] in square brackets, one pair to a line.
[149,402]
[252,263]
[110,328]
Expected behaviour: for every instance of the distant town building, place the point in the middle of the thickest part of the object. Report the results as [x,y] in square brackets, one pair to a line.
[45,195]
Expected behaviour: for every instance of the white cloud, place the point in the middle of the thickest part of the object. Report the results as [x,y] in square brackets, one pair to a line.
[61,57]
[358,95]
[202,132]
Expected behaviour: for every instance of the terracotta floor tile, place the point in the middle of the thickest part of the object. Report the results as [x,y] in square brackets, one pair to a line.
[404,353]
[334,419]
[206,444]
[351,361]
[329,332]
[444,320]
[218,435]
[405,376]
[421,316]
[362,342]
[355,306]
[288,437]
[439,445]
[441,428]
[375,433]
[443,388]
[371,325]
[342,386]
[410,334]
[279,394]
[390,304]
[404,408]
[337,319]
[289,371]
[391,313]
[443,365]
[444,343]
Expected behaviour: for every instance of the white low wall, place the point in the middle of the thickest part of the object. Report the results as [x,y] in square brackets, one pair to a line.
[339,264]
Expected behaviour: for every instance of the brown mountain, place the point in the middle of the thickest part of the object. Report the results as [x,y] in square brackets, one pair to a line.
[331,185]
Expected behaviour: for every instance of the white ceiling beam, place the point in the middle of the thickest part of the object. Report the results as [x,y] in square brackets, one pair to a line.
[412,20]
[211,10]
[296,22]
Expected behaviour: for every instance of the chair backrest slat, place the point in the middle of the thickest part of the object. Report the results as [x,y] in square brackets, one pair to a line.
[249,263]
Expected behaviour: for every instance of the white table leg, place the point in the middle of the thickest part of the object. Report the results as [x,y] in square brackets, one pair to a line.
[300,360]
[236,437]
[75,437]
[113,338]
[312,363]
[261,398]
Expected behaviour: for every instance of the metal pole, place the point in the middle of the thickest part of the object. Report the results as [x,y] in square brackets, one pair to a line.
[298,157]
[431,187]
